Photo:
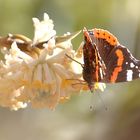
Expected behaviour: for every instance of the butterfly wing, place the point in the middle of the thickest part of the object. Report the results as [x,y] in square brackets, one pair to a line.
[120,65]
[94,67]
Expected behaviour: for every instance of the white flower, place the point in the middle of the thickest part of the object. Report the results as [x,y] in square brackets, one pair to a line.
[41,76]
[43,30]
[41,81]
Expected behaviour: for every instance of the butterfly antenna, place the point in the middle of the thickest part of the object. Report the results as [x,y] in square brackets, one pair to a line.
[92,107]
[105,107]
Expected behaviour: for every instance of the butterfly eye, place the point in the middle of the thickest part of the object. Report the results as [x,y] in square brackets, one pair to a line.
[90,32]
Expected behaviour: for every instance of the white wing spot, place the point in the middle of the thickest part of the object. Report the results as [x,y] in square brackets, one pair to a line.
[129,75]
[126,63]
[139,74]
[101,73]
[132,65]
[136,67]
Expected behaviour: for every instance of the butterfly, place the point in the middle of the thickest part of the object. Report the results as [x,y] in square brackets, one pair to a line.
[106,60]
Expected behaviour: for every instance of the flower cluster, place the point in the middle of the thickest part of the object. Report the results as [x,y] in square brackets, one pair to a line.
[39,71]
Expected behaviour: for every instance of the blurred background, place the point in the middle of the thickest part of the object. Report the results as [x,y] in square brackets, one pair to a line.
[74,120]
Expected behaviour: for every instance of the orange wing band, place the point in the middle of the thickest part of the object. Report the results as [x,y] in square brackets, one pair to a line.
[104,34]
[119,66]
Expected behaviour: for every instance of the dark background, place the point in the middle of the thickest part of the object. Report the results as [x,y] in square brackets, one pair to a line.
[74,120]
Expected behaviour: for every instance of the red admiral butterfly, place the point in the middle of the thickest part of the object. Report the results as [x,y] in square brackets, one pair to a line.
[106,60]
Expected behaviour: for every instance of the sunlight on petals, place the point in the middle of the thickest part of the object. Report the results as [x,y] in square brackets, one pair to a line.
[45,80]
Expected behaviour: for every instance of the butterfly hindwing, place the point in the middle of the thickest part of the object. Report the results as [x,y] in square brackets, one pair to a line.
[121,66]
